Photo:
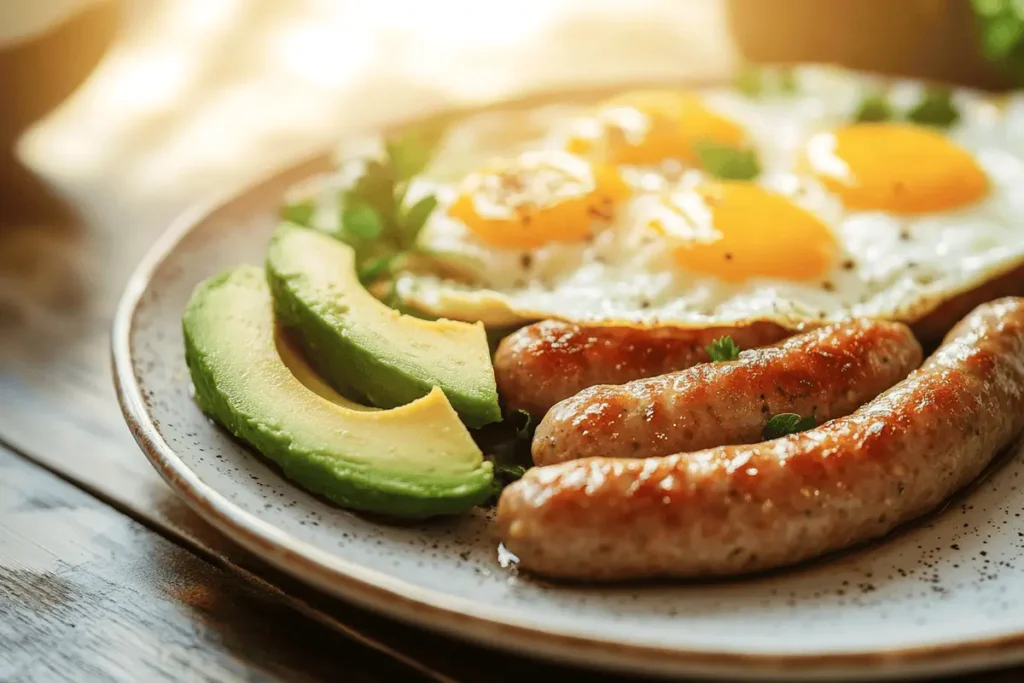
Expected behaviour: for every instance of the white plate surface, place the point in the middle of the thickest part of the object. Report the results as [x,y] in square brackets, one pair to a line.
[944,595]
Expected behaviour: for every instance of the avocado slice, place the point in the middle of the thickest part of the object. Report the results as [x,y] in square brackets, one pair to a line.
[358,343]
[414,461]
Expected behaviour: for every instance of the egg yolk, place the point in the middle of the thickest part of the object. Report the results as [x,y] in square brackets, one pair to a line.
[735,230]
[895,167]
[648,126]
[536,198]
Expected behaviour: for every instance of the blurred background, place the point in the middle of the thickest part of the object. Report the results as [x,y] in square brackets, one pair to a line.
[114,106]
[182,97]
[117,115]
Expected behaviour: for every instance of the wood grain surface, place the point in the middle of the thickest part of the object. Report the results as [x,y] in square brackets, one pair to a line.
[88,594]
[58,290]
[104,573]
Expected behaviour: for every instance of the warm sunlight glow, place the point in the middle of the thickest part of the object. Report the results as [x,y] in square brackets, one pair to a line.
[197,94]
[323,55]
[145,82]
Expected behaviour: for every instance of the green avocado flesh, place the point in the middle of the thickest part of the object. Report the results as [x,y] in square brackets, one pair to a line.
[358,343]
[414,461]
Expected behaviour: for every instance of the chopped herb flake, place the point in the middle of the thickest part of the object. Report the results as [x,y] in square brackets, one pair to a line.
[723,349]
[727,162]
[510,472]
[376,268]
[935,108]
[299,212]
[361,220]
[787,423]
[787,81]
[750,81]
[1000,25]
[512,449]
[418,214]
[373,218]
[874,107]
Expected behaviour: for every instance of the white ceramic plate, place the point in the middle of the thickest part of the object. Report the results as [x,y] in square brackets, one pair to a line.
[944,595]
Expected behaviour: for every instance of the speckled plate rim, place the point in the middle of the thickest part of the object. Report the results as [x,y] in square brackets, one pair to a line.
[462,618]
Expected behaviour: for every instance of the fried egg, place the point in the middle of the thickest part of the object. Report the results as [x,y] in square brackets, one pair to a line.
[603,213]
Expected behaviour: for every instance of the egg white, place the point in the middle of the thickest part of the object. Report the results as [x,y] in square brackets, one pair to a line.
[890,266]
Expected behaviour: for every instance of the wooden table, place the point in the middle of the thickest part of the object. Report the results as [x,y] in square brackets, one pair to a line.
[104,573]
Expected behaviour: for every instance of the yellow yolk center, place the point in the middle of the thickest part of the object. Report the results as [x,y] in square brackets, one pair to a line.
[895,167]
[536,198]
[737,230]
[649,126]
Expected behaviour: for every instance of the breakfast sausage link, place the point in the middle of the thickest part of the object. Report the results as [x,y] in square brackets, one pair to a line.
[826,373]
[541,364]
[735,509]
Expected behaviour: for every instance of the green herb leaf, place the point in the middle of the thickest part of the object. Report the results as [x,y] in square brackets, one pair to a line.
[787,81]
[1002,36]
[408,157]
[525,431]
[988,8]
[375,268]
[935,108]
[1000,26]
[512,449]
[299,212]
[727,162]
[874,107]
[376,187]
[417,214]
[723,349]
[755,81]
[787,423]
[411,152]
[361,220]
[505,474]
[509,472]
[750,81]
[373,221]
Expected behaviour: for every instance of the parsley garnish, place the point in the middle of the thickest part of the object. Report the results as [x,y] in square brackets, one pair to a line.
[509,473]
[374,219]
[513,449]
[749,81]
[723,349]
[787,82]
[1001,33]
[300,212]
[754,81]
[935,108]
[787,423]
[874,107]
[727,162]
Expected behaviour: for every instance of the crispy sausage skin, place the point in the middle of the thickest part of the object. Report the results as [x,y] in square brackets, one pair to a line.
[825,373]
[541,364]
[735,509]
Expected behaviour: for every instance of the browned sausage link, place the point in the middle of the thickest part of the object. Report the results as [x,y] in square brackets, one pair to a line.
[735,509]
[826,373]
[539,365]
